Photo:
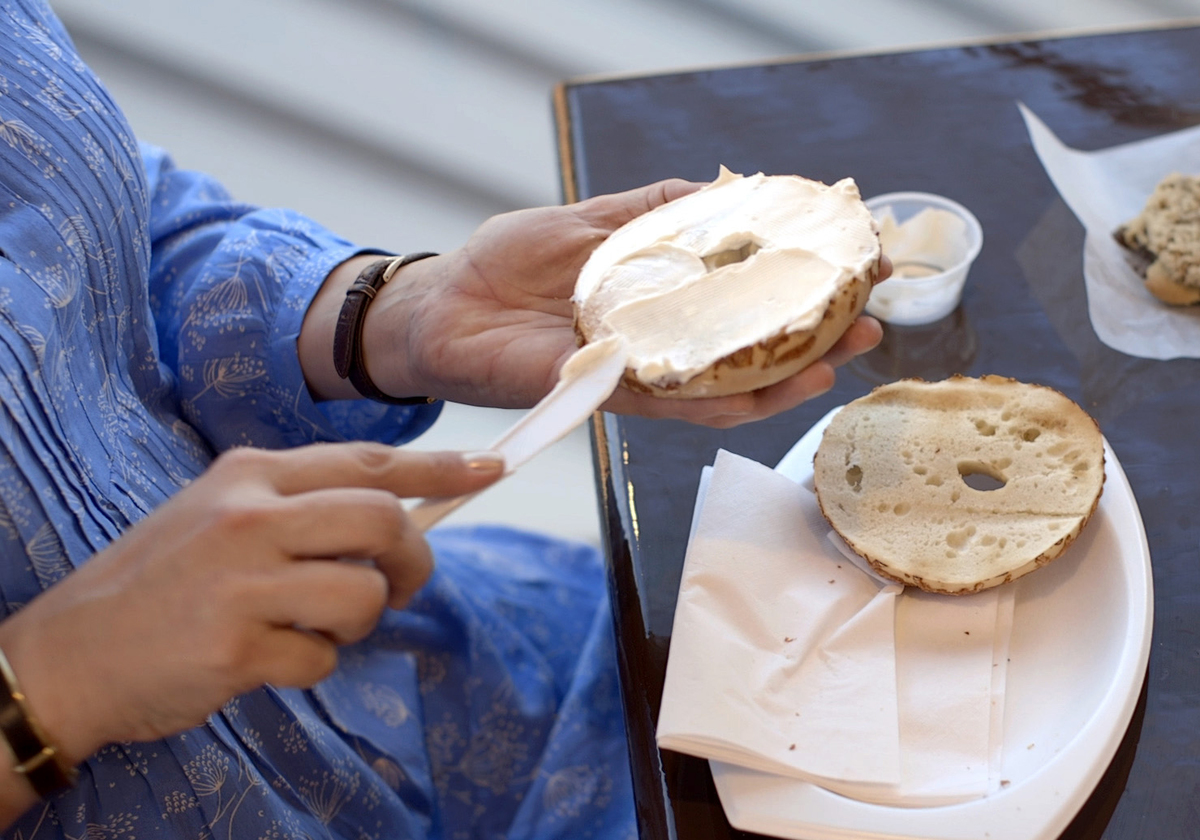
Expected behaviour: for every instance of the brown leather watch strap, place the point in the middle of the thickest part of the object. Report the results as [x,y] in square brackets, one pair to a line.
[348,357]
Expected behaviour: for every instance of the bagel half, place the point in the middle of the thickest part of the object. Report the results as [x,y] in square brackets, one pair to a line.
[898,475]
[734,287]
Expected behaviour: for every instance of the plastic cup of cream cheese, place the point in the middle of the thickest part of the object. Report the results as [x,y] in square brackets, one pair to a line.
[931,242]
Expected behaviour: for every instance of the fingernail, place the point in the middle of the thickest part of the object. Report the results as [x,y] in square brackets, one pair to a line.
[483,461]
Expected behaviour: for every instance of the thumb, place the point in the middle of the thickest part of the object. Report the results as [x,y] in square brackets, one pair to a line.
[612,211]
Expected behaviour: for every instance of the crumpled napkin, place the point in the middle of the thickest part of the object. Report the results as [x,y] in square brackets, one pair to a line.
[1105,189]
[788,658]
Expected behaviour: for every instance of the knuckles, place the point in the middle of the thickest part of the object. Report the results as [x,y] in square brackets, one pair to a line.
[231,599]
[363,601]
[364,619]
[243,460]
[238,517]
[374,460]
[323,668]
[316,663]
[231,654]
[387,524]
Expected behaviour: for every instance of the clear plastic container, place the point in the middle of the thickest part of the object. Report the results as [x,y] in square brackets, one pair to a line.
[931,242]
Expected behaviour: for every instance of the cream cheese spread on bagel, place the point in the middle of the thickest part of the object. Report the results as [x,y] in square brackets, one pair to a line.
[733,287]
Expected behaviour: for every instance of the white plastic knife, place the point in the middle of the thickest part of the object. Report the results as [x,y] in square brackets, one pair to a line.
[586,380]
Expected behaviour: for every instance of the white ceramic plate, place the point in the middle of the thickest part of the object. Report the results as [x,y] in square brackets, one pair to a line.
[1078,654]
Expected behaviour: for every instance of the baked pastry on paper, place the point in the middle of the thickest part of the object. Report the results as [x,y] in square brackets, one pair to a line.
[1166,236]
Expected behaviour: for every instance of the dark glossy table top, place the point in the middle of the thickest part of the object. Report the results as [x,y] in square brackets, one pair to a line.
[942,121]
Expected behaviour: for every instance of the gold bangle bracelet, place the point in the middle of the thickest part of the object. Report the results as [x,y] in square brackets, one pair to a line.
[34,756]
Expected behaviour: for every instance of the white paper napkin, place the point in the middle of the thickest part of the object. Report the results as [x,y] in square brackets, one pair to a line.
[786,658]
[1105,189]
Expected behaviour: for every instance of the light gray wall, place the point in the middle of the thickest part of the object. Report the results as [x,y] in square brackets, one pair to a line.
[406,122]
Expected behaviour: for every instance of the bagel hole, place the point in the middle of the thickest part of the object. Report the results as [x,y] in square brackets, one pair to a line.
[736,254]
[980,476]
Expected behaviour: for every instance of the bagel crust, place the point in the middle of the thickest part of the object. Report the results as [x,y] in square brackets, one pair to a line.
[733,288]
[959,485]
[766,362]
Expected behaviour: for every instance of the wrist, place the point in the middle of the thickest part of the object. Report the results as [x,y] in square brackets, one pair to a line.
[384,336]
[46,698]
[315,342]
[392,330]
[36,756]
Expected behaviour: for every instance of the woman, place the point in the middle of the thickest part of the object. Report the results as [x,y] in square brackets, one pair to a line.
[175,486]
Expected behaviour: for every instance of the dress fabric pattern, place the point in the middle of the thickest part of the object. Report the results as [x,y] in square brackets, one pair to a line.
[149,322]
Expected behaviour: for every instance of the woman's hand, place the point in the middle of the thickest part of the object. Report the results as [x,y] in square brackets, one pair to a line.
[492,323]
[232,583]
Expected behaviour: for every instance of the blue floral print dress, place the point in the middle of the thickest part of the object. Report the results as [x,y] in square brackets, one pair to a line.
[148,322]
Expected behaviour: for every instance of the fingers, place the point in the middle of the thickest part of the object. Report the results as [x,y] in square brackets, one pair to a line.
[342,500]
[340,600]
[309,608]
[814,380]
[661,192]
[295,658]
[342,522]
[885,269]
[404,473]
[862,335]
[611,211]
[360,524]
[726,412]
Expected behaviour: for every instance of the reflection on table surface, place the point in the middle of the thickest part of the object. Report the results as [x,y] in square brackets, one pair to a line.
[942,121]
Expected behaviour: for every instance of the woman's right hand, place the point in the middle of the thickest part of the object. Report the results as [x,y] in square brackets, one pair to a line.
[232,583]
